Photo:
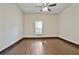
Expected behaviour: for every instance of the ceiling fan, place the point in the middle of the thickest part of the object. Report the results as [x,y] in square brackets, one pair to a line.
[45,7]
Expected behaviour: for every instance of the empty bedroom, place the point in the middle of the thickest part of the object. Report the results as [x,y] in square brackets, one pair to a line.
[39,28]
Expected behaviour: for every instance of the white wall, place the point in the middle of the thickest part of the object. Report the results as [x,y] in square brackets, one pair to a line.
[11,27]
[50,25]
[69,24]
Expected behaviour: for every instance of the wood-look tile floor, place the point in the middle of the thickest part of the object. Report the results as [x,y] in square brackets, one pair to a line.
[43,47]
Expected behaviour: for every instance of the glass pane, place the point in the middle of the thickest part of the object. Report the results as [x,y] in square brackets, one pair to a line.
[38,27]
[38,24]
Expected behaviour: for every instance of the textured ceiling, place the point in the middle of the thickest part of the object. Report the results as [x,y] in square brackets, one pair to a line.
[31,7]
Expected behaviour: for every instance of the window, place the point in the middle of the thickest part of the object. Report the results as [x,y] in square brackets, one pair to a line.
[38,27]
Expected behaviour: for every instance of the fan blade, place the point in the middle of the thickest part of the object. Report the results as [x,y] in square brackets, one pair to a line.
[52,5]
[49,10]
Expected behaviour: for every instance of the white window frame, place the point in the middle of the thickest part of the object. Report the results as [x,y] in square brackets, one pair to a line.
[38,27]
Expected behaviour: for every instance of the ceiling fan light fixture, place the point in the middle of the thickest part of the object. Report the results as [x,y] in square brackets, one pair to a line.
[45,9]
